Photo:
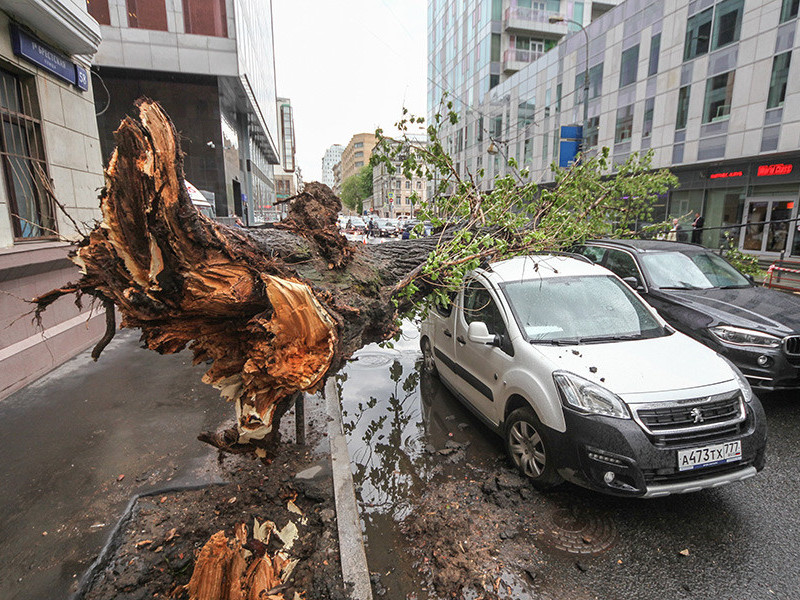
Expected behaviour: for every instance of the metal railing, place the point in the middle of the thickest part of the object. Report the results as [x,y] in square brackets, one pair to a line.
[526,56]
[535,15]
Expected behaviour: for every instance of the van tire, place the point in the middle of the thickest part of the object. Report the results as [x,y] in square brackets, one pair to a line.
[529,448]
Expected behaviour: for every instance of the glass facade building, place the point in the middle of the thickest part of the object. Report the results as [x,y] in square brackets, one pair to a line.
[707,85]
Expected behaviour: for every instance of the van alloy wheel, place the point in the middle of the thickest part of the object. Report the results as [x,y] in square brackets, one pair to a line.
[527,449]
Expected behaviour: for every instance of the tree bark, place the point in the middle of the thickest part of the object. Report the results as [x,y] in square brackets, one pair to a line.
[274,310]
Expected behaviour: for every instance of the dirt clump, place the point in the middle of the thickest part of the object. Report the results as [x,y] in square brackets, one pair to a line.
[155,552]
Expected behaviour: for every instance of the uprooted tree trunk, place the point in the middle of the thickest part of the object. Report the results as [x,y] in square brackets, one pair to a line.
[274,310]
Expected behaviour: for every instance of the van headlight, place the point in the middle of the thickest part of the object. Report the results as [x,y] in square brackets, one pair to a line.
[744,337]
[744,385]
[586,396]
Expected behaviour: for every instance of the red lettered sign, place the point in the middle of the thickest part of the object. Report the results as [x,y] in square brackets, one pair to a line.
[776,169]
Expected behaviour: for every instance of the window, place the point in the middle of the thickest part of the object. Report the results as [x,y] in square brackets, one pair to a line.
[624,124]
[547,103]
[398,184]
[628,66]
[719,90]
[647,125]
[525,113]
[408,185]
[683,108]
[655,49]
[622,264]
[99,10]
[789,10]
[359,154]
[727,23]
[205,17]
[419,185]
[558,98]
[698,35]
[147,14]
[593,253]
[777,83]
[527,156]
[595,83]
[358,145]
[479,306]
[23,158]
[495,55]
[360,163]
[592,132]
[545,139]
[497,127]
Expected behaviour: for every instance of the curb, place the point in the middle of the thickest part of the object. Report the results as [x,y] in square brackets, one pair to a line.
[355,569]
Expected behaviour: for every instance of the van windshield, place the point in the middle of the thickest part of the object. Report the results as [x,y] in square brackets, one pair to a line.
[580,310]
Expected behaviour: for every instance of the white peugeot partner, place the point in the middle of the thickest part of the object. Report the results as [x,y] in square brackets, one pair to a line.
[585,382]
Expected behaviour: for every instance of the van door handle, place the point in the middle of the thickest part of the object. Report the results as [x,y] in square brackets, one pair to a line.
[461,340]
[447,333]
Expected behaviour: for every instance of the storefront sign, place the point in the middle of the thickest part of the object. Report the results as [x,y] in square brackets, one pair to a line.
[776,169]
[39,53]
[725,175]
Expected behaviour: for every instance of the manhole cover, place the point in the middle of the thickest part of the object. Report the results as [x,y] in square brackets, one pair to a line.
[373,360]
[581,531]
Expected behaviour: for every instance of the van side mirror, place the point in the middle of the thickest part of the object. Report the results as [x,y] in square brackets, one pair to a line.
[634,283]
[478,333]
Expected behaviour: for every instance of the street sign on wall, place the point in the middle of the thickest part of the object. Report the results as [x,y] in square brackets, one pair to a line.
[33,50]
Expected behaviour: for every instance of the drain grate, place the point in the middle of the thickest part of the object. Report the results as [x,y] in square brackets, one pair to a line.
[581,531]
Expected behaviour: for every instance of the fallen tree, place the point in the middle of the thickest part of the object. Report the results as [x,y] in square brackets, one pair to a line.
[274,311]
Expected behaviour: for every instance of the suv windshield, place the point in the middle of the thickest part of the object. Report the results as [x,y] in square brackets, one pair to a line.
[581,309]
[691,271]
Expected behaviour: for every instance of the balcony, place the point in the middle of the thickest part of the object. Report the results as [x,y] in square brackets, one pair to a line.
[514,60]
[526,20]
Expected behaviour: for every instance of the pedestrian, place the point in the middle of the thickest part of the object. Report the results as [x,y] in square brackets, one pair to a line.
[371,228]
[674,234]
[697,228]
[238,222]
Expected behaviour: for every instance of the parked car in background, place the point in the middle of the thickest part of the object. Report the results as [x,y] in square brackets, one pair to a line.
[586,382]
[199,201]
[702,295]
[386,227]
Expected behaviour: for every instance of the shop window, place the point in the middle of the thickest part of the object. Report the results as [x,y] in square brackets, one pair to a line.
[683,108]
[147,14]
[727,23]
[99,10]
[647,124]
[23,158]
[789,10]
[655,50]
[719,91]
[777,83]
[624,127]
[628,66]
[205,17]
[698,35]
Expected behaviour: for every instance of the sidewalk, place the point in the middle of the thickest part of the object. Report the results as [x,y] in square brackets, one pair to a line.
[80,442]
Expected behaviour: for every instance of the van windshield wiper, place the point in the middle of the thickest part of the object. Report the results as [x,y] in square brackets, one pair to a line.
[611,338]
[564,342]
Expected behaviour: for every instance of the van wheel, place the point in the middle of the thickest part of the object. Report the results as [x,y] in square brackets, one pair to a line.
[428,363]
[529,448]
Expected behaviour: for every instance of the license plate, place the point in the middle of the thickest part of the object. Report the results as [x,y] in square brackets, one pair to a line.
[708,456]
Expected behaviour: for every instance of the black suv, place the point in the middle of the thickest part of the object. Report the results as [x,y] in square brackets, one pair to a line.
[702,295]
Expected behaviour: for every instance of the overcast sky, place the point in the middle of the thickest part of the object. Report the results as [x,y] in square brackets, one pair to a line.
[348,67]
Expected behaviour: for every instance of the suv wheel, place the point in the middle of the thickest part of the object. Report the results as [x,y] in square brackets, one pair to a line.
[528,447]
[428,363]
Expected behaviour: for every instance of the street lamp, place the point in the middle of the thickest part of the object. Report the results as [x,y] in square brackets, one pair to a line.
[562,19]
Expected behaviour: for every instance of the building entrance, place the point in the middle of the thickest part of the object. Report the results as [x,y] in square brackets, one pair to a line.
[760,234]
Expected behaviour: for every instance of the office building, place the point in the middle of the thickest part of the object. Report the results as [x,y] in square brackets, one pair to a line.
[357,154]
[333,155]
[706,85]
[210,63]
[49,134]
[286,172]
[394,195]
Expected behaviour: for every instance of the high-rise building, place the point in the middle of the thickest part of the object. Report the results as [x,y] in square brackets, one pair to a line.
[707,86]
[49,144]
[286,173]
[210,63]
[333,155]
[357,154]
[473,45]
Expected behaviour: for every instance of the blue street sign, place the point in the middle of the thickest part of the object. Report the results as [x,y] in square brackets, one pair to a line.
[571,132]
[567,152]
[52,61]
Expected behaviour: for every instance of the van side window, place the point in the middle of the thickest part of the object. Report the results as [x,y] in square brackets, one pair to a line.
[444,309]
[479,306]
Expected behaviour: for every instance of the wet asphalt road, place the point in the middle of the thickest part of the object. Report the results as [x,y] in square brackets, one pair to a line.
[66,439]
[739,542]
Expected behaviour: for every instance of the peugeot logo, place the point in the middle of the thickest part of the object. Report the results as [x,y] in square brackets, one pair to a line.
[697,415]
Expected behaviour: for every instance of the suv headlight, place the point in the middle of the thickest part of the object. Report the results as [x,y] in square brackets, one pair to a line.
[586,396]
[744,337]
[744,385]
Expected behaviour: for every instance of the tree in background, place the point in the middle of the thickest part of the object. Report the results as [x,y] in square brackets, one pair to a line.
[357,188]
